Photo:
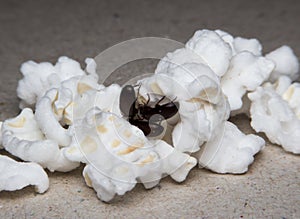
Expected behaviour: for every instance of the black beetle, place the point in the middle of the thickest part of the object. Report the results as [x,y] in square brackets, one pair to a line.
[144,116]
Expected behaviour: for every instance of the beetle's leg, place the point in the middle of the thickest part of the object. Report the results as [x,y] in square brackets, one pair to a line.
[160,100]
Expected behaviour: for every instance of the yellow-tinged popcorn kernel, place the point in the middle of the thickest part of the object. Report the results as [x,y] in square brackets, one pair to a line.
[127,150]
[88,180]
[194,100]
[289,93]
[127,133]
[115,143]
[208,92]
[101,128]
[19,123]
[72,150]
[140,143]
[82,87]
[88,145]
[58,111]
[111,118]
[148,159]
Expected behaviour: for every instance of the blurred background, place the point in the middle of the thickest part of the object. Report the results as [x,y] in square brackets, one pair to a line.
[44,30]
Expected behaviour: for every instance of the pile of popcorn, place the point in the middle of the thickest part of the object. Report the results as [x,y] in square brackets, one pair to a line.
[67,118]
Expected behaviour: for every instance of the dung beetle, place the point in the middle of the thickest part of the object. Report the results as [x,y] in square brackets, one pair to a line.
[146,116]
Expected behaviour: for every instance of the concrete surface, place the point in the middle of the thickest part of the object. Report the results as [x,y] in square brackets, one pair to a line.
[44,30]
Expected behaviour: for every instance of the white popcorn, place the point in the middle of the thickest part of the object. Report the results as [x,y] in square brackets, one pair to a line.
[231,151]
[286,63]
[246,73]
[48,118]
[292,96]
[227,38]
[38,78]
[118,154]
[61,106]
[77,120]
[105,187]
[16,175]
[273,115]
[202,103]
[281,85]
[240,44]
[212,49]
[178,58]
[107,99]
[251,45]
[23,138]
[290,92]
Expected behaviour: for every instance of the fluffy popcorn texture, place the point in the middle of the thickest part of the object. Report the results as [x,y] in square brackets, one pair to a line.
[231,151]
[251,45]
[240,44]
[246,73]
[105,187]
[78,120]
[292,96]
[118,154]
[16,175]
[106,99]
[48,118]
[38,78]
[286,63]
[177,58]
[215,49]
[56,107]
[271,114]
[23,138]
[212,49]
[71,101]
[289,91]
[202,103]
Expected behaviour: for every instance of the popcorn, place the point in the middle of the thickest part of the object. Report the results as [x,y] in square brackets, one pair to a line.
[106,98]
[214,51]
[16,175]
[273,114]
[56,107]
[38,78]
[78,120]
[178,58]
[233,59]
[48,119]
[240,44]
[202,103]
[118,154]
[231,151]
[292,96]
[246,72]
[286,63]
[22,137]
[251,45]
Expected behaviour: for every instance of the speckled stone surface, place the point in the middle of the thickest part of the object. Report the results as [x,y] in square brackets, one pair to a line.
[44,30]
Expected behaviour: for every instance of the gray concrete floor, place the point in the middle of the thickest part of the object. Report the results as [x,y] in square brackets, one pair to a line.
[44,30]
